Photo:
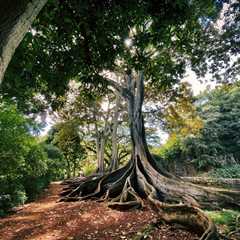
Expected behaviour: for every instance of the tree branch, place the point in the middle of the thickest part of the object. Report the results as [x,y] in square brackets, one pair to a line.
[123,91]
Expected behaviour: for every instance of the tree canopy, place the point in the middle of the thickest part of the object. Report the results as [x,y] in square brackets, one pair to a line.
[215,143]
[80,39]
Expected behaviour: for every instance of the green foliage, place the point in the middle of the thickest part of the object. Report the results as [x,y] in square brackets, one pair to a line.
[15,138]
[216,144]
[170,151]
[232,171]
[203,156]
[88,169]
[36,161]
[180,116]
[225,219]
[12,192]
[68,140]
[35,172]
[56,163]
[34,185]
[79,39]
[24,163]
[220,111]
[224,216]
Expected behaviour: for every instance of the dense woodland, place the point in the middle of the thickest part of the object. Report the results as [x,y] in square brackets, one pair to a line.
[107,79]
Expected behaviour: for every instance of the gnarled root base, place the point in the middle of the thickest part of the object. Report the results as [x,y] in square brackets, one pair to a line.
[140,181]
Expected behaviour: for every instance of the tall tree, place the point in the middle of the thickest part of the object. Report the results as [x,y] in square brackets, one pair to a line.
[218,142]
[68,140]
[148,59]
[98,119]
[115,122]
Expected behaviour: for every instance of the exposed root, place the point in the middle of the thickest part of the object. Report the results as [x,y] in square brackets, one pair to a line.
[228,183]
[191,217]
[236,232]
[173,199]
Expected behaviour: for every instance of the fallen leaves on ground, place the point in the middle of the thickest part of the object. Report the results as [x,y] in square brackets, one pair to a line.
[47,219]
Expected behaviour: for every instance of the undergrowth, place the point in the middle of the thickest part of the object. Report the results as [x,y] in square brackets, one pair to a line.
[226,220]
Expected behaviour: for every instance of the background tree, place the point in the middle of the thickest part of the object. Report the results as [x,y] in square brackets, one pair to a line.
[99,118]
[180,120]
[218,143]
[181,116]
[221,46]
[15,138]
[56,163]
[213,145]
[68,140]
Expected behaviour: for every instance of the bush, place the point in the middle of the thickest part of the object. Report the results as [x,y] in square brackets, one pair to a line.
[23,161]
[26,182]
[12,193]
[226,220]
[34,185]
[232,171]
[36,161]
[88,169]
[5,204]
[17,190]
[169,153]
[56,163]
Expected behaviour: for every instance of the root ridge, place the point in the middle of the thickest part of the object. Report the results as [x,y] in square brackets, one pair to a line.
[139,183]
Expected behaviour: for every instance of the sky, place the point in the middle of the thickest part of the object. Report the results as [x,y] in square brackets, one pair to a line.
[197,86]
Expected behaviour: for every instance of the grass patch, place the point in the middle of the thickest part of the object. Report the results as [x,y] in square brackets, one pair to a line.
[225,220]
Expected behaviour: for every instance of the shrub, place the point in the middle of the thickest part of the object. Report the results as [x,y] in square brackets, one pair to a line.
[88,169]
[24,170]
[12,193]
[232,171]
[34,185]
[226,220]
[56,162]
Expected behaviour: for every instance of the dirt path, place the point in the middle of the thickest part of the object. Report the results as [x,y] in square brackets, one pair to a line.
[46,219]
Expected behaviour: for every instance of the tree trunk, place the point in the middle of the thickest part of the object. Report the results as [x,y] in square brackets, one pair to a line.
[141,180]
[101,168]
[16,17]
[68,169]
[74,168]
[100,146]
[114,156]
[98,152]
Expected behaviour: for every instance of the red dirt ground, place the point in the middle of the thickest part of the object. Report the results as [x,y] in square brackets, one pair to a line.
[47,219]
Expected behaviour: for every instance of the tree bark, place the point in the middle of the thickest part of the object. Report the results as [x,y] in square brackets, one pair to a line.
[101,167]
[100,146]
[98,140]
[68,168]
[114,155]
[16,17]
[229,183]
